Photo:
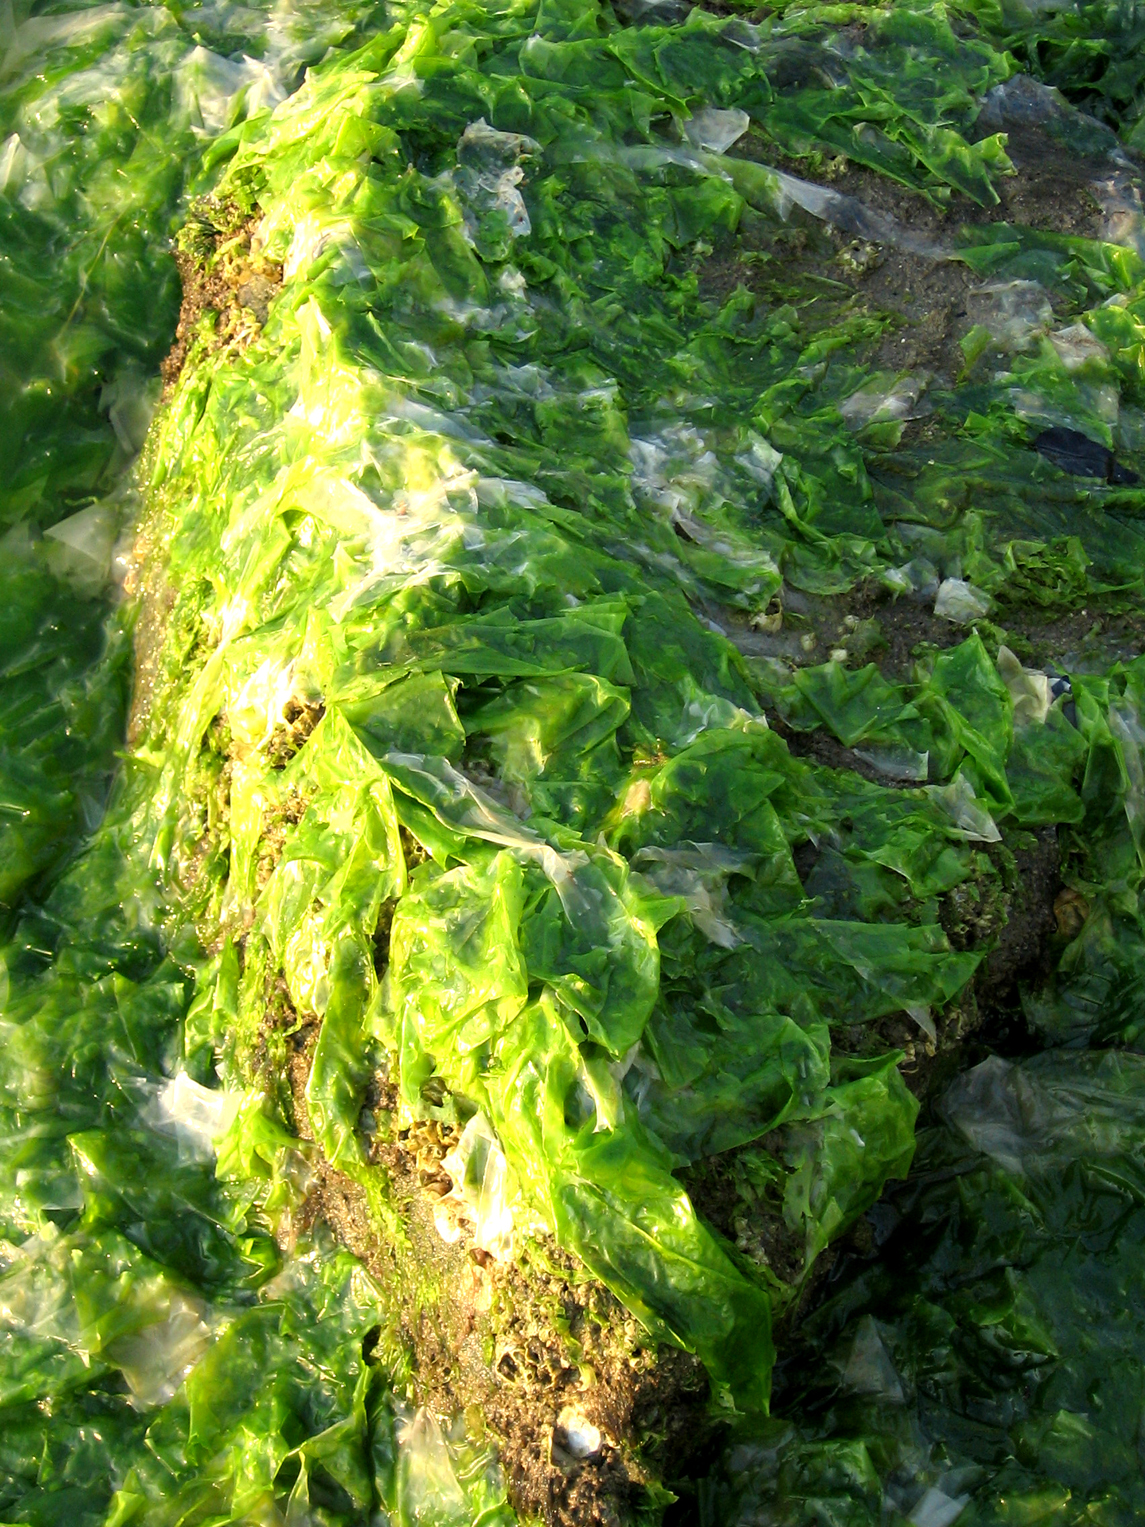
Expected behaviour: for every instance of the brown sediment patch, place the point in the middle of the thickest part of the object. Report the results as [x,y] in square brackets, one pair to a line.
[1049,190]
[276,823]
[871,624]
[922,299]
[907,628]
[1087,640]
[1021,949]
[512,1346]
[299,718]
[821,747]
[225,277]
[760,1233]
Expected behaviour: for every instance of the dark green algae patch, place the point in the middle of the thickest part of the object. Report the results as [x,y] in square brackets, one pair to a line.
[614,729]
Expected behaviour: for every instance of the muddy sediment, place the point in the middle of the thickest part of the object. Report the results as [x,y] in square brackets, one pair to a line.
[227,283]
[525,1350]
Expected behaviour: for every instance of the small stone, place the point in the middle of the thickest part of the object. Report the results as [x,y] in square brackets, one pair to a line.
[770,624]
[255,293]
[575,1435]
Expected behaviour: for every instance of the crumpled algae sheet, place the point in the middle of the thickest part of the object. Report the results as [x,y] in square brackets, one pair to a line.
[522,441]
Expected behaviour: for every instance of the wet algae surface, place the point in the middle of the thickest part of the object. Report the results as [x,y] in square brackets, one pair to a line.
[573,763]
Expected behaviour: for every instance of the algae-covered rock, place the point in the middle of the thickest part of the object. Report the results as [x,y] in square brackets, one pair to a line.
[632,694]
[472,798]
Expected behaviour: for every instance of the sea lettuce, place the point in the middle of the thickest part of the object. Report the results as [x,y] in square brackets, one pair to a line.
[457,736]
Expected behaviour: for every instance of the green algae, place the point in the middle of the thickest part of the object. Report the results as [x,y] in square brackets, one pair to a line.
[490,502]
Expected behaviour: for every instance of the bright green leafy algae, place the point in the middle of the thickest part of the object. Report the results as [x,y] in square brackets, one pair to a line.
[128,1261]
[103,111]
[458,731]
[415,547]
[160,1361]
